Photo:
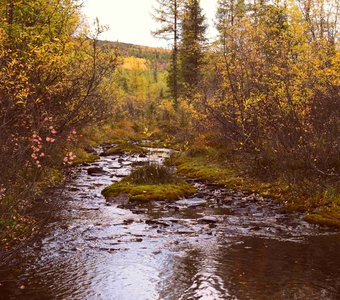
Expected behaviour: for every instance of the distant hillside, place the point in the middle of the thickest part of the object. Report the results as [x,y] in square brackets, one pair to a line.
[150,53]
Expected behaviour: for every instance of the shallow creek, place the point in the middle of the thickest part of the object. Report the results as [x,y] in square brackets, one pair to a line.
[219,244]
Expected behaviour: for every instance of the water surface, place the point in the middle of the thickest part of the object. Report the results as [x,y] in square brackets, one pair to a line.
[219,244]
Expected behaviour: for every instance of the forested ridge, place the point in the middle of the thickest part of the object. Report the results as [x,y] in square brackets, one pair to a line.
[256,109]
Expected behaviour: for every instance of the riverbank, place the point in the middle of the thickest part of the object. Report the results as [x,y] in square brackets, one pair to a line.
[320,200]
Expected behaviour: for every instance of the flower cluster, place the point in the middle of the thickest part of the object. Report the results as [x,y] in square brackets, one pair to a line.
[69,158]
[38,145]
[72,135]
[51,139]
[37,148]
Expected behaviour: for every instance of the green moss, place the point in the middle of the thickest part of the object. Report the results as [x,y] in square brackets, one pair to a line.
[326,216]
[148,192]
[203,168]
[83,157]
[200,170]
[302,196]
[126,148]
[329,212]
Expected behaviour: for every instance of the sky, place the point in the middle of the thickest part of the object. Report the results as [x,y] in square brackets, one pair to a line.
[130,21]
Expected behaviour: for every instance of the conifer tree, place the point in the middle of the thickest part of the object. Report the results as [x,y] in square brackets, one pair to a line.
[191,48]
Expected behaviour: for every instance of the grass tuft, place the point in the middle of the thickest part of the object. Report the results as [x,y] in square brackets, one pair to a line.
[153,174]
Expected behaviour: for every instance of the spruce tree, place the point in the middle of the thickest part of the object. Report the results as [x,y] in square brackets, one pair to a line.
[191,48]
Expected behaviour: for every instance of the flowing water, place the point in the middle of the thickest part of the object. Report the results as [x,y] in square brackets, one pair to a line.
[219,244]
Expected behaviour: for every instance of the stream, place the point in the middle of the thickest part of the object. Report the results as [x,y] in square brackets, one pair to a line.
[219,244]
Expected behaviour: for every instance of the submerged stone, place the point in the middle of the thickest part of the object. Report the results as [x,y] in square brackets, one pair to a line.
[95,171]
[208,219]
[185,231]
[192,202]
[157,222]
[128,221]
[121,199]
[170,219]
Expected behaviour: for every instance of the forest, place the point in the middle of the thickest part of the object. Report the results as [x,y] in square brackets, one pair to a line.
[255,110]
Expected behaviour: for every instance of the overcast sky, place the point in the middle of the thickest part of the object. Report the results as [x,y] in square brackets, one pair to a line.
[130,21]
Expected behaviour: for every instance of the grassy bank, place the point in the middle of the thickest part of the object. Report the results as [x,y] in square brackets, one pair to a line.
[320,200]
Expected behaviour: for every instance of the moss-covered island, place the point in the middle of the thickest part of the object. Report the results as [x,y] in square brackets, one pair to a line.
[150,182]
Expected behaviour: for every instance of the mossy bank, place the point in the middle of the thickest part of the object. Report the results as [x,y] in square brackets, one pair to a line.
[320,202]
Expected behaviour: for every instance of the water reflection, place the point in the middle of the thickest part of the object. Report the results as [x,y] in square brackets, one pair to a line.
[242,268]
[257,268]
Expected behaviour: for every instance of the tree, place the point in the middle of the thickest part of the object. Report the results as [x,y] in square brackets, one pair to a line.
[229,12]
[321,17]
[272,83]
[191,47]
[168,15]
[52,81]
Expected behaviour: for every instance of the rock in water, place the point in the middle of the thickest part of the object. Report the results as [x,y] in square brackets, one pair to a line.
[95,171]
[208,219]
[192,202]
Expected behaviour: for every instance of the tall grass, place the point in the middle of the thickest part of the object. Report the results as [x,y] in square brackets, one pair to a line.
[152,174]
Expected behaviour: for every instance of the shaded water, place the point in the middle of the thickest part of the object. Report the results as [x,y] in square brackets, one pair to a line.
[220,244]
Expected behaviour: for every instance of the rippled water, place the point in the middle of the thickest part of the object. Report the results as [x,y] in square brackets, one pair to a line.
[220,244]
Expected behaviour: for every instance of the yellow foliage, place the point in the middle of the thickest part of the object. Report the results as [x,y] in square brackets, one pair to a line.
[134,64]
